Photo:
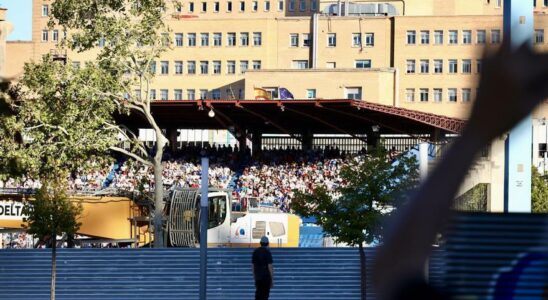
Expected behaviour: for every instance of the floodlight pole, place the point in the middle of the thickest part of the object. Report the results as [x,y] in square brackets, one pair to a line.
[204,210]
[518,29]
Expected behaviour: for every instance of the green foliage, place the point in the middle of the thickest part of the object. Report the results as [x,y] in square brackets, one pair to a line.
[539,192]
[374,187]
[52,212]
[474,199]
[57,122]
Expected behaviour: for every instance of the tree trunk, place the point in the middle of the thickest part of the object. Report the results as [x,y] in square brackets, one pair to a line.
[53,265]
[363,275]
[159,191]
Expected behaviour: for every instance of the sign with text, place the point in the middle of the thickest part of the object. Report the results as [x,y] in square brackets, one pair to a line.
[11,210]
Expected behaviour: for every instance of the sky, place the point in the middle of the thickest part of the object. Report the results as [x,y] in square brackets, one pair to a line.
[20,15]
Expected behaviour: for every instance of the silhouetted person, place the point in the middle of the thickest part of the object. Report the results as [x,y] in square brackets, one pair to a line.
[512,83]
[263,272]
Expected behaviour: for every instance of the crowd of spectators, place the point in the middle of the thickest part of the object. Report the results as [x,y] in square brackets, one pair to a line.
[270,176]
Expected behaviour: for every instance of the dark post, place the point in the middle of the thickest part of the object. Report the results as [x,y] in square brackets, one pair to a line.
[203,228]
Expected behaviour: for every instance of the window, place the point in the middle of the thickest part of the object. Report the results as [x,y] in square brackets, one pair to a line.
[231,67]
[178,94]
[164,67]
[425,37]
[452,95]
[257,39]
[331,39]
[453,66]
[217,39]
[101,43]
[331,65]
[453,37]
[137,94]
[411,36]
[542,149]
[204,65]
[179,39]
[306,40]
[495,36]
[425,66]
[191,94]
[356,40]
[300,64]
[55,38]
[152,67]
[216,7]
[204,6]
[467,37]
[254,6]
[244,39]
[203,94]
[76,64]
[479,65]
[165,40]
[191,6]
[302,5]
[216,94]
[313,5]
[424,95]
[242,6]
[410,95]
[191,67]
[294,40]
[244,65]
[178,8]
[480,36]
[438,66]
[191,39]
[231,39]
[152,94]
[362,64]
[311,94]
[438,95]
[216,67]
[164,94]
[466,95]
[281,5]
[410,66]
[291,5]
[178,67]
[467,66]
[45,34]
[498,3]
[539,36]
[438,37]
[229,6]
[267,5]
[204,37]
[256,65]
[369,39]
[45,10]
[353,93]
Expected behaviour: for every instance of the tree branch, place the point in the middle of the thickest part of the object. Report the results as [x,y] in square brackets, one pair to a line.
[132,155]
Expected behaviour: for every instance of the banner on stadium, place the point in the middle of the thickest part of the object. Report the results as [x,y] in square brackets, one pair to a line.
[261,94]
[11,210]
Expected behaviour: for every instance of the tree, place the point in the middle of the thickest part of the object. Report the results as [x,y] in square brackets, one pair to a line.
[52,213]
[539,191]
[352,213]
[52,126]
[131,35]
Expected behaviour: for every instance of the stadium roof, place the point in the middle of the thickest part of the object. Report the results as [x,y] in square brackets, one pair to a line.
[295,116]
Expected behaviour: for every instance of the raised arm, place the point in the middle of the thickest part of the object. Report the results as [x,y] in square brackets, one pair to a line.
[511,85]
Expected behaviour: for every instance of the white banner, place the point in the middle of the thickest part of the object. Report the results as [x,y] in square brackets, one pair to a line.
[10,210]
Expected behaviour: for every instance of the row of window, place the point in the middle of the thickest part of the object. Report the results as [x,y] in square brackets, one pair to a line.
[216,6]
[164,94]
[438,95]
[466,37]
[203,65]
[438,66]
[217,39]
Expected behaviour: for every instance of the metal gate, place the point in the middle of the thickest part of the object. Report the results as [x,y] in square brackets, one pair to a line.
[183,218]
